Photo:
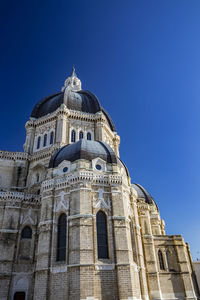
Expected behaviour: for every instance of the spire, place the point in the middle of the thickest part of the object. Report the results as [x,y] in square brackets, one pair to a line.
[72,82]
[73,74]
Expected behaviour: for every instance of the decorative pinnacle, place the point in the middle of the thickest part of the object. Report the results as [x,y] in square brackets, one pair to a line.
[73,74]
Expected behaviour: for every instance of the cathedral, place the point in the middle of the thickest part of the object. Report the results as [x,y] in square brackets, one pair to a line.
[72,224]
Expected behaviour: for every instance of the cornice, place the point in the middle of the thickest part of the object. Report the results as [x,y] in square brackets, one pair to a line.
[19,196]
[13,155]
[71,114]
[62,182]
[43,153]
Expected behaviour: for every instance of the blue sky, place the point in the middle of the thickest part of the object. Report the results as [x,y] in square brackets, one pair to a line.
[142,60]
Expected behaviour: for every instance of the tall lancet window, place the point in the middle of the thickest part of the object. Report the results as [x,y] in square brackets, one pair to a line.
[89,136]
[161,261]
[80,135]
[38,142]
[51,138]
[61,240]
[102,239]
[45,140]
[73,136]
[168,256]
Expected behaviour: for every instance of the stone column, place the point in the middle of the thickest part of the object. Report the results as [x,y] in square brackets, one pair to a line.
[61,132]
[140,254]
[81,258]
[116,142]
[127,272]
[98,135]
[185,267]
[30,132]
[43,258]
[149,251]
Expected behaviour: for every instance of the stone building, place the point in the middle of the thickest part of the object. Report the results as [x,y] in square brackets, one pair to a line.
[196,266]
[72,225]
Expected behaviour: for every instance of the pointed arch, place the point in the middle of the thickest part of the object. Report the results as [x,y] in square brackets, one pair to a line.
[51,137]
[169,262]
[26,233]
[161,261]
[38,142]
[89,137]
[73,136]
[19,295]
[45,140]
[37,177]
[80,135]
[61,238]
[102,239]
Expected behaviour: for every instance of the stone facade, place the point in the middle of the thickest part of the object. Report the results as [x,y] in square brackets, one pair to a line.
[143,262]
[196,266]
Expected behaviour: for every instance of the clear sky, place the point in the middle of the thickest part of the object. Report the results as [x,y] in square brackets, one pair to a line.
[142,60]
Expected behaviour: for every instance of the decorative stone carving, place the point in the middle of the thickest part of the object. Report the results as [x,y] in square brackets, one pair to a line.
[100,201]
[61,204]
[27,218]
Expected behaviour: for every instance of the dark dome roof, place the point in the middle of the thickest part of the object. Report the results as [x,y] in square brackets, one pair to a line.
[83,149]
[142,193]
[81,100]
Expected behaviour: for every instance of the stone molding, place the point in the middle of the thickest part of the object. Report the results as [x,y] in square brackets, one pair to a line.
[13,155]
[4,230]
[105,267]
[62,182]
[78,216]
[27,198]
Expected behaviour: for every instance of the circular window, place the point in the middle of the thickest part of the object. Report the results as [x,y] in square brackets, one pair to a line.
[65,169]
[98,167]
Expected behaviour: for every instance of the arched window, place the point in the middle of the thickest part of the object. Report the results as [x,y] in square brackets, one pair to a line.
[51,138]
[168,256]
[145,227]
[61,240]
[89,136]
[38,142]
[19,296]
[161,262]
[37,177]
[80,135]
[73,136]
[102,240]
[26,233]
[45,140]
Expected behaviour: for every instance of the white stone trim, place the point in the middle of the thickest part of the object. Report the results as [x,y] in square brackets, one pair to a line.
[59,269]
[80,216]
[90,298]
[105,267]
[9,230]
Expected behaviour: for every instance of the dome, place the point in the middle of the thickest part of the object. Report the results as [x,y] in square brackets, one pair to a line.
[74,98]
[83,149]
[81,100]
[142,193]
